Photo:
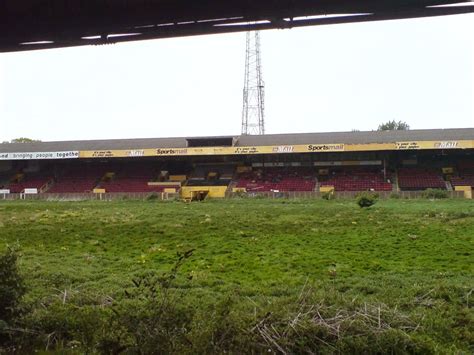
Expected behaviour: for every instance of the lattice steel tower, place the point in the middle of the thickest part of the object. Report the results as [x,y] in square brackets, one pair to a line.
[253,121]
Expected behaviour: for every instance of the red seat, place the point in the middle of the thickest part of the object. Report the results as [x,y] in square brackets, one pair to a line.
[281,179]
[357,179]
[79,179]
[420,179]
[34,181]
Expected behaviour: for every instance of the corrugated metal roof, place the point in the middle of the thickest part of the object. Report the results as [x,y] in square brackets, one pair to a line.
[359,137]
[270,139]
[110,144]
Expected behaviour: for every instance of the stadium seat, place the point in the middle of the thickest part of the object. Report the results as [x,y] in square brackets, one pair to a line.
[78,179]
[135,178]
[30,181]
[211,175]
[420,179]
[278,179]
[465,174]
[357,179]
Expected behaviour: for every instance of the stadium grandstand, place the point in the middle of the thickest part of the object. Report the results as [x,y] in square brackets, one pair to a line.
[381,161]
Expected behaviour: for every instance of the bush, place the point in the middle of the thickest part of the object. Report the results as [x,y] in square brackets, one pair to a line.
[12,290]
[12,286]
[366,199]
[152,318]
[434,194]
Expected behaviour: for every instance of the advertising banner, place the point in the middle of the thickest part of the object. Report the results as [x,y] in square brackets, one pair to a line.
[417,145]
[193,151]
[280,149]
[32,191]
[39,155]
[123,153]
[247,150]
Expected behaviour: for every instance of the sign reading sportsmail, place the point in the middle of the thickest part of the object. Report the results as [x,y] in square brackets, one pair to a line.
[72,154]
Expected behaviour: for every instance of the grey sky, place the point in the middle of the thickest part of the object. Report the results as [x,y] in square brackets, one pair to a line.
[329,78]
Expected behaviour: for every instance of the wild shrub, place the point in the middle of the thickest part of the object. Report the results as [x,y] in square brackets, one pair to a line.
[64,324]
[222,327]
[152,318]
[434,194]
[366,199]
[314,326]
[12,289]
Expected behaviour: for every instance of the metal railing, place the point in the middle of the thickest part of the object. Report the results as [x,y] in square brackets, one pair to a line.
[114,196]
[339,194]
[109,196]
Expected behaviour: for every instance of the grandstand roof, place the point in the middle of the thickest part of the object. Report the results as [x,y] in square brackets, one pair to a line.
[243,141]
[40,24]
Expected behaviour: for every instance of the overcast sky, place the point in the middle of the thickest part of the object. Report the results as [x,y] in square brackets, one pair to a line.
[328,78]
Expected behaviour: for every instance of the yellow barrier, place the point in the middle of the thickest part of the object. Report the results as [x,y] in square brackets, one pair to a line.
[213,191]
[99,191]
[178,178]
[327,188]
[466,189]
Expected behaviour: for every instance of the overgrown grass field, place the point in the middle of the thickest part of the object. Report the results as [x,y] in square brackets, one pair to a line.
[252,275]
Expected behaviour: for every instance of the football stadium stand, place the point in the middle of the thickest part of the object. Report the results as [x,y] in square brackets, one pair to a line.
[310,162]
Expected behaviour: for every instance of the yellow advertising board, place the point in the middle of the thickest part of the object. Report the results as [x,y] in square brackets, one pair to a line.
[213,191]
[128,153]
[369,147]
[303,148]
[279,149]
[417,145]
